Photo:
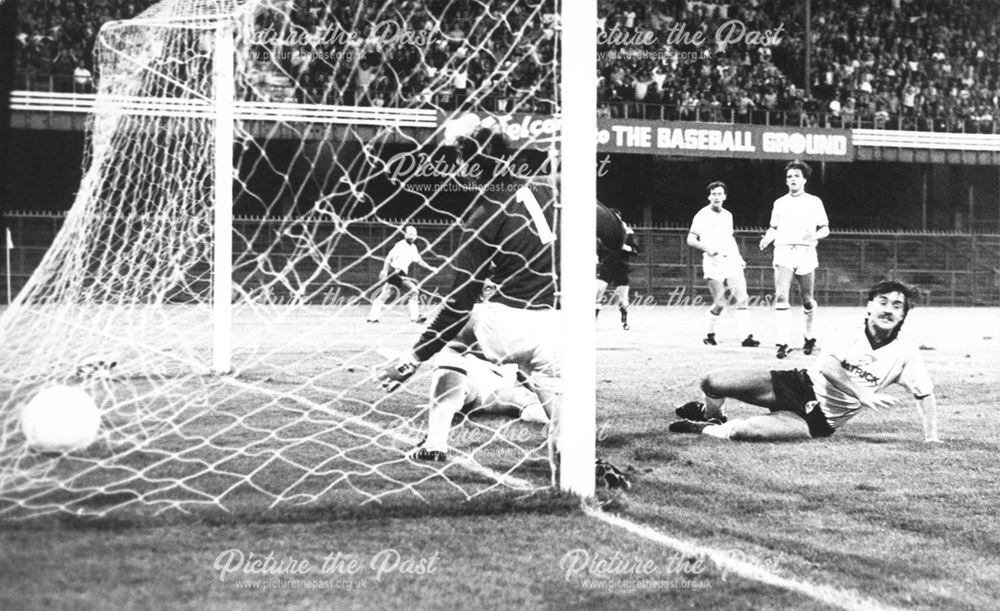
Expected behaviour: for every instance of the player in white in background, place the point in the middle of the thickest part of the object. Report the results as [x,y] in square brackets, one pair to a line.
[712,233]
[396,273]
[798,222]
[857,365]
[612,270]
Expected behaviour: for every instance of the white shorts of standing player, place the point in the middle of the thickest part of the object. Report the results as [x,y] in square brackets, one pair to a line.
[723,267]
[799,258]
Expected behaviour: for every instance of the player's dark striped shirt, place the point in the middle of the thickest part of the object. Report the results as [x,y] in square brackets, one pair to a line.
[504,238]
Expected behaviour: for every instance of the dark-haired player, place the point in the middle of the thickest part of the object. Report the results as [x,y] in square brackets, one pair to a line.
[856,367]
[798,223]
[712,233]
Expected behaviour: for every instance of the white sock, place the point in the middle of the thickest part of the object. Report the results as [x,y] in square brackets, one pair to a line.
[712,320]
[719,431]
[414,306]
[783,324]
[809,316]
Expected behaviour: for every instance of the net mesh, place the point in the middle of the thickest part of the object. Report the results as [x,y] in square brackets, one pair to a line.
[337,116]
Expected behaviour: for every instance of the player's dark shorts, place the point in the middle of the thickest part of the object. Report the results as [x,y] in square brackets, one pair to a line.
[614,277]
[794,390]
[399,280]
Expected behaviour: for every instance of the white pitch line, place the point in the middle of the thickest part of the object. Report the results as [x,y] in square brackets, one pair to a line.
[835,597]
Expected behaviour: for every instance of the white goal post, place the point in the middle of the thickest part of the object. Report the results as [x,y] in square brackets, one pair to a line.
[579,152]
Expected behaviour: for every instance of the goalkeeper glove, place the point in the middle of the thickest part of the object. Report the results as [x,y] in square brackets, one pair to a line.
[610,477]
[398,370]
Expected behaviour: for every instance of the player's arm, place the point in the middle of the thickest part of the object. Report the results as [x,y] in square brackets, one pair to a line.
[772,230]
[927,407]
[694,241]
[822,222]
[631,245]
[915,379]
[694,237]
[471,268]
[821,232]
[420,261]
[831,368]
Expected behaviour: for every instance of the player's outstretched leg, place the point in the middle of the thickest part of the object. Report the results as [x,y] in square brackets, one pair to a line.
[776,426]
[751,386]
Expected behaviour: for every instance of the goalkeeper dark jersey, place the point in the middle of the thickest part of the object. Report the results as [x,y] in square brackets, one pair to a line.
[508,239]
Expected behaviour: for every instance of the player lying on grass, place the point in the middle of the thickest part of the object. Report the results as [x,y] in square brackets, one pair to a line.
[856,367]
[472,385]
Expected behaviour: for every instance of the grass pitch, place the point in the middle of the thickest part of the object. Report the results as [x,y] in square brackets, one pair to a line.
[869,516]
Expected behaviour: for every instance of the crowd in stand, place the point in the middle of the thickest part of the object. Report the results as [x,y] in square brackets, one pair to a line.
[447,53]
[914,64]
[911,64]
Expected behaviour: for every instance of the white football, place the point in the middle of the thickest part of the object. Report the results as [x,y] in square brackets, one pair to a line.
[60,419]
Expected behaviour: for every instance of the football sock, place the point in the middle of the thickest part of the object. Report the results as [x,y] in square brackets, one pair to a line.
[809,314]
[414,305]
[720,431]
[624,313]
[782,323]
[712,320]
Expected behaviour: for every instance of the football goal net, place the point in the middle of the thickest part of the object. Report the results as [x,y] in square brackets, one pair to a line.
[250,165]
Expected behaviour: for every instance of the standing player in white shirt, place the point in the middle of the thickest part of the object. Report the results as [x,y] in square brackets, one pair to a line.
[798,223]
[396,273]
[857,365]
[712,233]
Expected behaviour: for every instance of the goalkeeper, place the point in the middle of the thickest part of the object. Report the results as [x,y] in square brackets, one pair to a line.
[506,235]
[507,238]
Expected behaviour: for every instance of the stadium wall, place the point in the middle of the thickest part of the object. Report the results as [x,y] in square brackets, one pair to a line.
[950,269]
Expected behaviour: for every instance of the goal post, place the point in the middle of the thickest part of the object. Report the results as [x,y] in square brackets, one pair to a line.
[578,150]
[224,85]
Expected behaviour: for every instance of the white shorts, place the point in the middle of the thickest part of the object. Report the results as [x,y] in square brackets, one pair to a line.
[483,378]
[722,267]
[527,338]
[799,258]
